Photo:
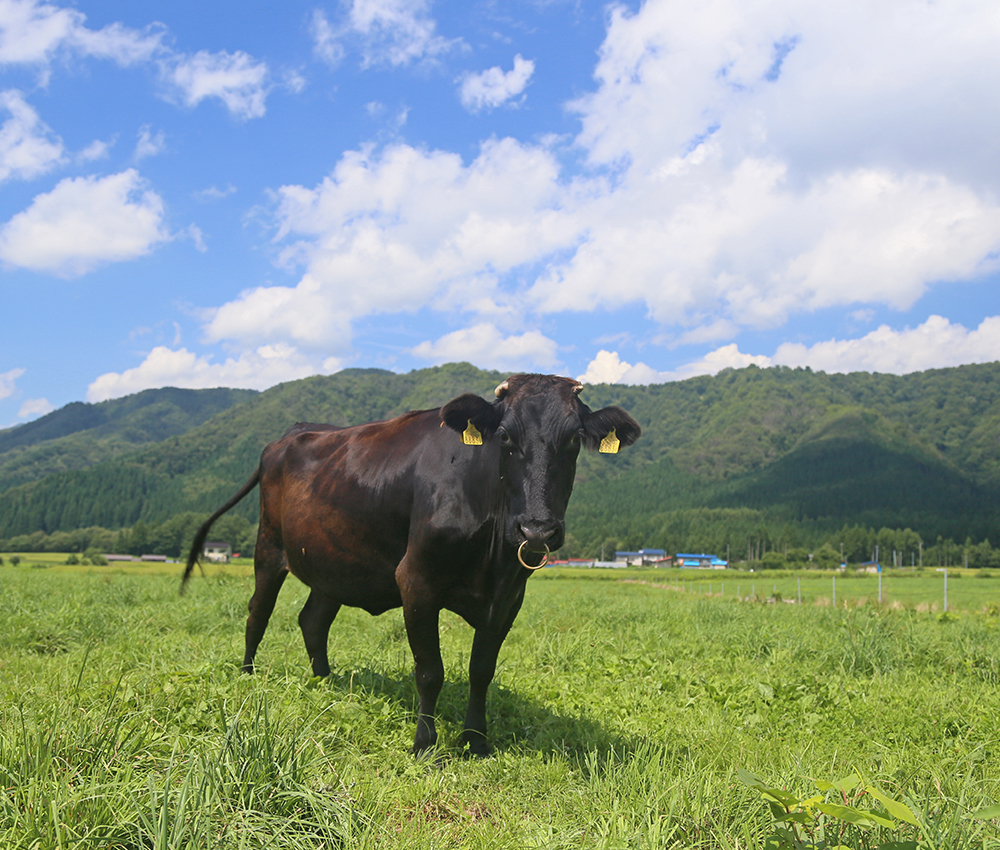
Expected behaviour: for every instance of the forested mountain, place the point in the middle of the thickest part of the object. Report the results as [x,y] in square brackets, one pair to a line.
[748,458]
[81,435]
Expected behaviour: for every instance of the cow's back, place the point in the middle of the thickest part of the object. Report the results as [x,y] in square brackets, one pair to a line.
[338,502]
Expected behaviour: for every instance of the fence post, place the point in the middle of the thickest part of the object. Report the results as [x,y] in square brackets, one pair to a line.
[834,591]
[798,581]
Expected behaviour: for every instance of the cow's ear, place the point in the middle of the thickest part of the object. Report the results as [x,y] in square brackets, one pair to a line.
[609,428]
[469,408]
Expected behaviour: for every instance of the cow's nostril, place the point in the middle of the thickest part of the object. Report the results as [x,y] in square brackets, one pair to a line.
[542,537]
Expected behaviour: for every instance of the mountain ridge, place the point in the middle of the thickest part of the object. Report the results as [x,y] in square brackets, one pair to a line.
[803,447]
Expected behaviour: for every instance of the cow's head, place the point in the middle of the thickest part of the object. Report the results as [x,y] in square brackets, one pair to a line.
[538,425]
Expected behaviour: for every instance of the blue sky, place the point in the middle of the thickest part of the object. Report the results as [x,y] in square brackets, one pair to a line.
[239,194]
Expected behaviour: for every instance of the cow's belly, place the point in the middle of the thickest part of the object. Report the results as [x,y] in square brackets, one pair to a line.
[354,566]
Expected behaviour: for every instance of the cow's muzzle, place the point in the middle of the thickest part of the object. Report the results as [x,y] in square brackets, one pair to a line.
[524,563]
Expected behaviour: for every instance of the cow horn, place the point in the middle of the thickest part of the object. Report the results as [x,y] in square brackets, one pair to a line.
[501,389]
[577,388]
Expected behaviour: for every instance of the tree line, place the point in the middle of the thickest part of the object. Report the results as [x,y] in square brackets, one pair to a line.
[171,538]
[741,535]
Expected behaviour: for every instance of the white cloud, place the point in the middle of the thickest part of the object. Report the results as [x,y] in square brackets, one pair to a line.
[935,344]
[608,368]
[33,32]
[326,40]
[391,32]
[164,367]
[398,231]
[7,380]
[237,79]
[484,344]
[27,146]
[492,87]
[744,247]
[712,201]
[97,149]
[35,407]
[85,222]
[774,158]
[214,193]
[149,144]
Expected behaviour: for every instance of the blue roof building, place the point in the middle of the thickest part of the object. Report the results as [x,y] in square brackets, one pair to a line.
[699,562]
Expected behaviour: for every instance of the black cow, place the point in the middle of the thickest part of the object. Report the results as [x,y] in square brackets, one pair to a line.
[410,513]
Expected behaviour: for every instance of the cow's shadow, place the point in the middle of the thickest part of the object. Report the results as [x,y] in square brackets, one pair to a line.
[516,722]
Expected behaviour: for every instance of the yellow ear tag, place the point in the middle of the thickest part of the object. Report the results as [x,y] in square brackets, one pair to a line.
[610,444]
[471,436]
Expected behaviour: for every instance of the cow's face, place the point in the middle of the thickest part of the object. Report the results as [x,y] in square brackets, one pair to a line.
[538,425]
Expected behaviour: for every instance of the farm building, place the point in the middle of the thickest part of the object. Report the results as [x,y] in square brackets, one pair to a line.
[218,551]
[699,562]
[643,558]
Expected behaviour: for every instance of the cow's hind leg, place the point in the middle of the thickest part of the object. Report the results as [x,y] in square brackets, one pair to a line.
[269,575]
[315,620]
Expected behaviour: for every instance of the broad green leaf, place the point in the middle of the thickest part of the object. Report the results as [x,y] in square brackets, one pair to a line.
[789,801]
[796,817]
[881,818]
[809,802]
[845,785]
[747,778]
[776,794]
[855,816]
[898,810]
[988,813]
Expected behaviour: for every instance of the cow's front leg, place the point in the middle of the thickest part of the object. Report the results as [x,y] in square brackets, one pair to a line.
[482,666]
[422,630]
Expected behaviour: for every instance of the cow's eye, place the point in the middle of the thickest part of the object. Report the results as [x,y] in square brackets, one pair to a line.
[504,437]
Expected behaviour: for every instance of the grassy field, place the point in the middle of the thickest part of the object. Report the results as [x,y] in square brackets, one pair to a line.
[622,713]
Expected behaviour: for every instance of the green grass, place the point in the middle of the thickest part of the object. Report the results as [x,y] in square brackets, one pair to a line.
[620,713]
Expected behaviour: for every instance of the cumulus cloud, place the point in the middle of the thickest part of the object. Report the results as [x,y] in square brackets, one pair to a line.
[775,158]
[35,407]
[485,344]
[33,32]
[703,204]
[396,231]
[700,241]
[149,144]
[7,380]
[165,367]
[326,40]
[389,32]
[935,344]
[97,149]
[237,79]
[27,146]
[608,368]
[85,222]
[492,87]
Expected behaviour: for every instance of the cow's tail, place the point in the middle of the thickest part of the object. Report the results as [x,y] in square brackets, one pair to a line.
[194,555]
